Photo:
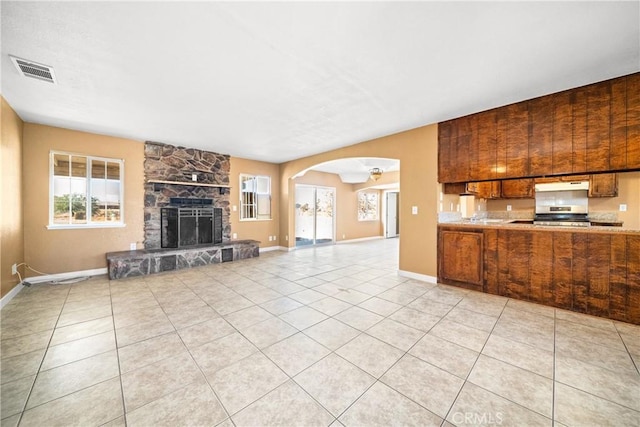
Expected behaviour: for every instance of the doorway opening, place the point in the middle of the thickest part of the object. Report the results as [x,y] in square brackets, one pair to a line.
[315,223]
[392,214]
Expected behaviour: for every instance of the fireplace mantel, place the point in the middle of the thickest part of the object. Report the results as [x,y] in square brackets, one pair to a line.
[192,183]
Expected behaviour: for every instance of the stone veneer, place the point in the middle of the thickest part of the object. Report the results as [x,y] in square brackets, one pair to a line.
[144,262]
[169,163]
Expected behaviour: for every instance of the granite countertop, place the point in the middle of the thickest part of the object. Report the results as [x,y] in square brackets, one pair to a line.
[517,224]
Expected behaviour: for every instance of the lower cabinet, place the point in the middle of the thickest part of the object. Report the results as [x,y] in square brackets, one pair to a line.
[461,261]
[597,273]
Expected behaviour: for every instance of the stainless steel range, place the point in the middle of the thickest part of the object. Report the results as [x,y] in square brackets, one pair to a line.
[562,204]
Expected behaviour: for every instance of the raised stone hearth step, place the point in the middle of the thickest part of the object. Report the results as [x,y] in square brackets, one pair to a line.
[149,261]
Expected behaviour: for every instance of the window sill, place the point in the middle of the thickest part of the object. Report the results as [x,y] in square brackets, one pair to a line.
[84,226]
[255,219]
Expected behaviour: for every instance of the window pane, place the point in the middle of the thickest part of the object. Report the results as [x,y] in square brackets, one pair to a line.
[113,170]
[79,166]
[61,197]
[61,165]
[98,169]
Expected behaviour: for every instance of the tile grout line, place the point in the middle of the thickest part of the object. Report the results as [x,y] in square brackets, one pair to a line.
[24,407]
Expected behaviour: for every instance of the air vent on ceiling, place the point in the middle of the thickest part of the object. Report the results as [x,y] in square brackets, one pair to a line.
[34,70]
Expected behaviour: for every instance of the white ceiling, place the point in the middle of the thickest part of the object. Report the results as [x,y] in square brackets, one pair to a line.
[279,81]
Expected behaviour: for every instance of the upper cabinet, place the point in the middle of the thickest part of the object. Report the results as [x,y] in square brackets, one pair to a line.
[591,129]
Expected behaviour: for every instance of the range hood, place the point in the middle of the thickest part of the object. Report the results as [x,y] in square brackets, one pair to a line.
[562,186]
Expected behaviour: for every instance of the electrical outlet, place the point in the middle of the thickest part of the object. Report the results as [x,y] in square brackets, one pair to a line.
[133,246]
[508,208]
[234,236]
[234,208]
[623,207]
[344,236]
[286,238]
[270,238]
[14,269]
[194,177]
[275,238]
[414,210]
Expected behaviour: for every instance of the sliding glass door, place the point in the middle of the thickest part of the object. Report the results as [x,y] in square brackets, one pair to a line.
[314,215]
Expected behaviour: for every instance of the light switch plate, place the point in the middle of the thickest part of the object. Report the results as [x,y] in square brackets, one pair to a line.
[623,207]
[414,210]
[508,208]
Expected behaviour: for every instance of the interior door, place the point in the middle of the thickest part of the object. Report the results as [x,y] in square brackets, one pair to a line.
[392,223]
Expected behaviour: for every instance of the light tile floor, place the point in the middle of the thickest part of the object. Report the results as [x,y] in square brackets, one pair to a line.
[319,336]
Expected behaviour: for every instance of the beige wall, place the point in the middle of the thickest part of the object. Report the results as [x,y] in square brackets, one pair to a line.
[11,222]
[628,193]
[58,251]
[347,225]
[255,230]
[417,151]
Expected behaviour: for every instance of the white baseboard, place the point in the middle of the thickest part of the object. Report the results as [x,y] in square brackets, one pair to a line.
[69,275]
[273,248]
[362,239]
[9,296]
[416,276]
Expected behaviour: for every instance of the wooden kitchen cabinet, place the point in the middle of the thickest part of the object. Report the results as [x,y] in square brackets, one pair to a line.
[517,141]
[598,126]
[485,189]
[460,258]
[603,185]
[597,273]
[563,150]
[517,189]
[456,188]
[541,135]
[633,121]
[483,149]
[591,129]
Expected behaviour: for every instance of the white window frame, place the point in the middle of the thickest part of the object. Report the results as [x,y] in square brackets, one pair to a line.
[89,223]
[256,206]
[363,215]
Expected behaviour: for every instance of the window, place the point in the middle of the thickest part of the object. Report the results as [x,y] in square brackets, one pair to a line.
[255,197]
[85,191]
[367,206]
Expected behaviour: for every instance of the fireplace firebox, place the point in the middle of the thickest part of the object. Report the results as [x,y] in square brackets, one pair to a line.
[190,226]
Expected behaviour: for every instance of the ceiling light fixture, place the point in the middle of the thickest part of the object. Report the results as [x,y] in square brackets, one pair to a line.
[375,173]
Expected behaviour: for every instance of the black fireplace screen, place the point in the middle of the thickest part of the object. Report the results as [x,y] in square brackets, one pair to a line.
[190,226]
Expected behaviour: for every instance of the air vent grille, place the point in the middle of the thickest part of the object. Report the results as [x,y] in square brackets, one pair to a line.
[34,70]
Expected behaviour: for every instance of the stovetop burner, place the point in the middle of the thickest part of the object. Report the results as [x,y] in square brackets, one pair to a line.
[562,219]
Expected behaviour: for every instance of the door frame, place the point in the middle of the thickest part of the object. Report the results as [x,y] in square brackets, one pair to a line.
[315,222]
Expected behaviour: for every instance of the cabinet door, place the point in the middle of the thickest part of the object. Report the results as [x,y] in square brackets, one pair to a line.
[461,136]
[598,126]
[517,188]
[562,133]
[633,121]
[445,161]
[579,129]
[485,189]
[460,257]
[517,141]
[484,162]
[541,136]
[618,120]
[454,188]
[603,185]
[514,247]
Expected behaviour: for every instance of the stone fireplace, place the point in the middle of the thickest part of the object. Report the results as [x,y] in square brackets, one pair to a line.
[170,190]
